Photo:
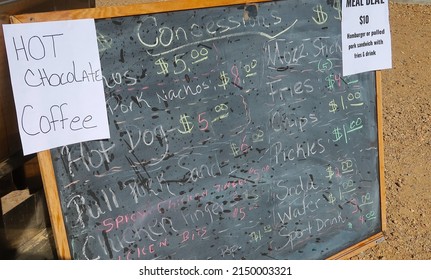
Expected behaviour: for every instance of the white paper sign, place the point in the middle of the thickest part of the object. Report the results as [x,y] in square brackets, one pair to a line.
[57,83]
[366,36]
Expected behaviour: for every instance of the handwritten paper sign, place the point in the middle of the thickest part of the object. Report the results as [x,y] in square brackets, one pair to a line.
[57,83]
[366,36]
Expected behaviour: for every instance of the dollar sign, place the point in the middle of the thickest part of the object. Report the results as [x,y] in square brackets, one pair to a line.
[337,133]
[332,199]
[333,106]
[322,17]
[364,20]
[187,125]
[235,149]
[330,172]
[163,65]
[224,80]
[337,7]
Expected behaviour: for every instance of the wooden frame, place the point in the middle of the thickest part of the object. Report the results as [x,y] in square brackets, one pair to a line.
[45,161]
[378,238]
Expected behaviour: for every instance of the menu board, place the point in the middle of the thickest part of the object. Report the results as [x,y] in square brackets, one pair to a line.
[233,136]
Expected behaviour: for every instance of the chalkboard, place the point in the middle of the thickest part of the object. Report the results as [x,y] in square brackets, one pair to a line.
[233,136]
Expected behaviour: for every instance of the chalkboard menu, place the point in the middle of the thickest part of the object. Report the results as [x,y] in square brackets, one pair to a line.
[233,136]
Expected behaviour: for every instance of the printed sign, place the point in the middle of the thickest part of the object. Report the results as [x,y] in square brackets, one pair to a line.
[57,83]
[366,36]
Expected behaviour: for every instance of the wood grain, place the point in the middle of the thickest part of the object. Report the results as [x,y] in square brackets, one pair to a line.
[120,11]
[54,206]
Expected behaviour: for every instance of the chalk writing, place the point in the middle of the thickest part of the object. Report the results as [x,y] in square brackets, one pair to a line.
[235,137]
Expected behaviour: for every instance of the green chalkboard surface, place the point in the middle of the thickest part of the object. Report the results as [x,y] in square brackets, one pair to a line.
[233,136]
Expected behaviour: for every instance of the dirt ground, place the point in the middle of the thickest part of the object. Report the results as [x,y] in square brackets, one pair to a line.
[407,137]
